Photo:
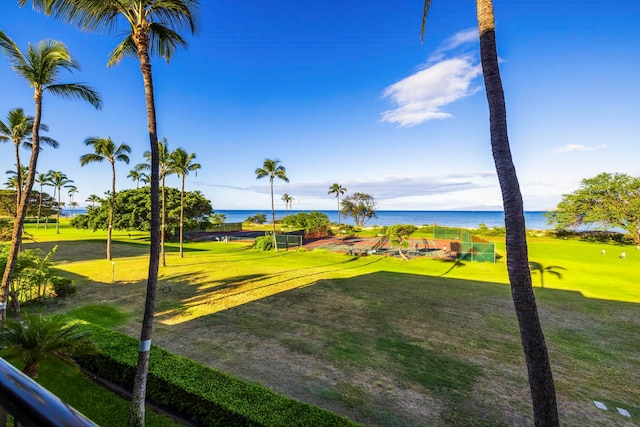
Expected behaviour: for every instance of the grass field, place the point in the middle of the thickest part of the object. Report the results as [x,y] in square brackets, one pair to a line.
[380,340]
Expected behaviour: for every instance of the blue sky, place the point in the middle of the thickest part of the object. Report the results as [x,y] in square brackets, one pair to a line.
[344,92]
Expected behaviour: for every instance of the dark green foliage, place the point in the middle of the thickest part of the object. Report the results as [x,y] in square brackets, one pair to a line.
[359,206]
[205,395]
[306,220]
[258,218]
[63,287]
[264,243]
[133,211]
[398,233]
[8,204]
[603,202]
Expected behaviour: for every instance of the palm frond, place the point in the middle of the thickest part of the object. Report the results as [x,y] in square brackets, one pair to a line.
[125,48]
[78,91]
[424,19]
[11,50]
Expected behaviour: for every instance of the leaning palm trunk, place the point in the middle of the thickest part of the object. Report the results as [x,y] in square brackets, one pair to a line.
[533,342]
[137,412]
[21,210]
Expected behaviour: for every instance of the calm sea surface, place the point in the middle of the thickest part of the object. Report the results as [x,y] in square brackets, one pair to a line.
[464,219]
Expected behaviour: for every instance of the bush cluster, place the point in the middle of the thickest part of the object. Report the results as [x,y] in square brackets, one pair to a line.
[203,394]
[264,243]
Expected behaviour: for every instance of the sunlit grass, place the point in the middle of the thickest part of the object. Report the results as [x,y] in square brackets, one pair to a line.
[399,321]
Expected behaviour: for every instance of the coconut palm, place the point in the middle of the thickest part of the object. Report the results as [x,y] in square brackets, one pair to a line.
[42,179]
[287,199]
[272,169]
[105,149]
[164,170]
[71,191]
[93,199]
[181,164]
[18,129]
[59,180]
[338,190]
[136,176]
[153,30]
[541,383]
[37,338]
[16,182]
[40,66]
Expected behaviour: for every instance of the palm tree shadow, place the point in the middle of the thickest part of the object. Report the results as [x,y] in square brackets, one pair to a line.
[457,264]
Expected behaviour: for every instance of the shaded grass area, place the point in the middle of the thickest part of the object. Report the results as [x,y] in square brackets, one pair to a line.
[100,405]
[386,342]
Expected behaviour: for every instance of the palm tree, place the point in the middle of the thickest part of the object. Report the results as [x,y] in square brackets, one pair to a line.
[338,190]
[181,164]
[40,66]
[59,180]
[287,199]
[93,199]
[16,182]
[105,149]
[42,179]
[136,177]
[545,410]
[154,27]
[37,338]
[71,190]
[164,156]
[18,129]
[272,169]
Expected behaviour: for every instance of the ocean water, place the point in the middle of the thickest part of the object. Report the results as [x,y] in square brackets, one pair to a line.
[463,219]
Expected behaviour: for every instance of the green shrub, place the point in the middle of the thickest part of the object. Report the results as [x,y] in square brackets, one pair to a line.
[63,286]
[302,249]
[264,243]
[203,394]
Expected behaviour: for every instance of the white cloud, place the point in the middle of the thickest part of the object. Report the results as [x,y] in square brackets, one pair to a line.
[421,96]
[578,147]
[461,38]
[441,81]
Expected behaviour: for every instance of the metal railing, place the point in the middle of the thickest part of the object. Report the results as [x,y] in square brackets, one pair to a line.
[30,404]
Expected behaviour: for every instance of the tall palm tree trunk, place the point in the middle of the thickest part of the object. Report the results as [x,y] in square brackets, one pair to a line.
[137,412]
[181,215]
[21,211]
[273,219]
[338,197]
[533,342]
[39,209]
[163,225]
[111,209]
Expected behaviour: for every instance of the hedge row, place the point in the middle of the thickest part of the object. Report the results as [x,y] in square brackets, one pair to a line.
[203,394]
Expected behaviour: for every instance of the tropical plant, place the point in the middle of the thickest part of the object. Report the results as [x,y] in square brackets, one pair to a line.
[361,207]
[93,199]
[399,235]
[338,190]
[306,220]
[288,200]
[272,169]
[36,338]
[40,66]
[258,218]
[18,129]
[153,29]
[137,176]
[603,202]
[59,180]
[133,211]
[42,179]
[71,191]
[545,408]
[164,156]
[105,149]
[181,164]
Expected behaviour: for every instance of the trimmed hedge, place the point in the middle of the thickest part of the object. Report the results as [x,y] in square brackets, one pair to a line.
[201,393]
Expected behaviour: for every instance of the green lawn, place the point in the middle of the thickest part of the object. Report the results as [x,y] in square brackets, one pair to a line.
[380,340]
